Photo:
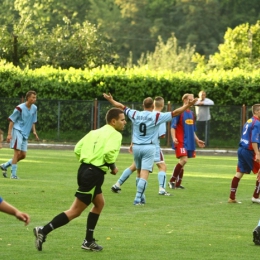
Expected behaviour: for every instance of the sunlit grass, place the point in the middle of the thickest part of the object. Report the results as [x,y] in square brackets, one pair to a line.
[195,223]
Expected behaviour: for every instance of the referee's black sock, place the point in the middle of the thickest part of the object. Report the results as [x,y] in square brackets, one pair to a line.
[58,221]
[91,224]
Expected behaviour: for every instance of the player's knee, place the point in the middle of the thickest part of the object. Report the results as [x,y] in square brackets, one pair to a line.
[21,156]
[97,208]
[239,175]
[183,161]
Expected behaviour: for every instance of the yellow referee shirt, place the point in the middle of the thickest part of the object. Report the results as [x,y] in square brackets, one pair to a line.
[99,146]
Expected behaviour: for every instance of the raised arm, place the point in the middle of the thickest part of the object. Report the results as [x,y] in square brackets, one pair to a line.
[179,110]
[109,98]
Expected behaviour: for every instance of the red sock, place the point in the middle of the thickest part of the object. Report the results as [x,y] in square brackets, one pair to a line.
[257,190]
[176,172]
[233,189]
[178,183]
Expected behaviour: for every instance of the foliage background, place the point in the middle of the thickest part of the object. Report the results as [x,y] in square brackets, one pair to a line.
[46,28]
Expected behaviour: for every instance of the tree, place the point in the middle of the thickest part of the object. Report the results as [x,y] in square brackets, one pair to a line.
[15,43]
[241,49]
[70,45]
[47,14]
[77,46]
[169,57]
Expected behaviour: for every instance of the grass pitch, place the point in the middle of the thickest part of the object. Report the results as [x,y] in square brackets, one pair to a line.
[195,223]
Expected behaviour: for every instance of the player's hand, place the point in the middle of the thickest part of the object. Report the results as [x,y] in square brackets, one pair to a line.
[114,171]
[23,217]
[201,143]
[257,157]
[192,102]
[8,138]
[36,136]
[131,149]
[108,96]
[175,140]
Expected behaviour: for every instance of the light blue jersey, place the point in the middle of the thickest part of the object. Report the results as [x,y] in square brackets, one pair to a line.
[146,125]
[24,118]
[162,131]
[158,152]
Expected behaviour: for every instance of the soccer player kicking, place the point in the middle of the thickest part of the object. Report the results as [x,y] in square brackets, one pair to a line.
[145,136]
[97,152]
[248,155]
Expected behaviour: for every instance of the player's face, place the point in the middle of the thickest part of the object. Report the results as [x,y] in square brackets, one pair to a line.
[257,113]
[120,123]
[203,95]
[31,99]
[190,97]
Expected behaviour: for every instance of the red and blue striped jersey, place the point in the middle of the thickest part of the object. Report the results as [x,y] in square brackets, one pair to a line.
[184,125]
[250,133]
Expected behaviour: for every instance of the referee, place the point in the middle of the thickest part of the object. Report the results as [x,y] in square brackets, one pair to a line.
[97,152]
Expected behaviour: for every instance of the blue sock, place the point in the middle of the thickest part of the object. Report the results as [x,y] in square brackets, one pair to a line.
[136,181]
[8,164]
[14,169]
[143,195]
[162,179]
[125,175]
[258,223]
[143,200]
[141,186]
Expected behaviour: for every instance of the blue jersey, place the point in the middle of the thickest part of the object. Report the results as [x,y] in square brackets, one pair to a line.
[185,128]
[250,133]
[162,130]
[146,125]
[23,118]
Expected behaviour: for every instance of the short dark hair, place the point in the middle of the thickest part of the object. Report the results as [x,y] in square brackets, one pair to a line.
[148,102]
[113,113]
[29,93]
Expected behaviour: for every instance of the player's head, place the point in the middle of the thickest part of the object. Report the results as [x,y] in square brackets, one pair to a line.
[186,97]
[148,103]
[31,96]
[256,110]
[202,94]
[116,118]
[158,103]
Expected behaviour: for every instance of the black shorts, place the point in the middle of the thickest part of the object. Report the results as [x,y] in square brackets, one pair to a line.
[90,180]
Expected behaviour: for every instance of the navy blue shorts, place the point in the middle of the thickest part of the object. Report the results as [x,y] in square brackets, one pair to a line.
[246,161]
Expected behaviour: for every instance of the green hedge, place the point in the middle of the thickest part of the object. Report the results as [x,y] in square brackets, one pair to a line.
[226,88]
[133,85]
